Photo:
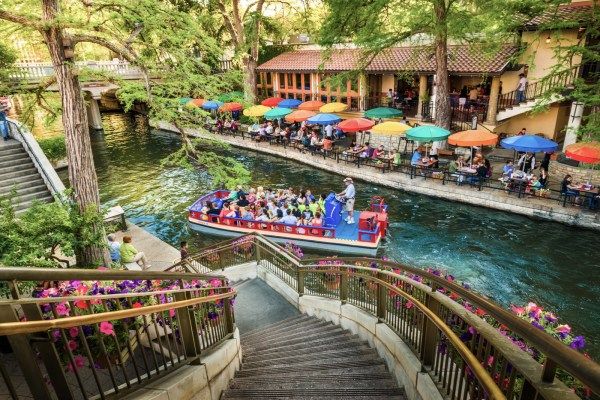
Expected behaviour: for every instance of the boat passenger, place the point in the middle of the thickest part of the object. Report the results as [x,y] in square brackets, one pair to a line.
[289,218]
[262,215]
[309,196]
[260,193]
[313,206]
[233,211]
[317,220]
[251,197]
[225,209]
[245,214]
[234,194]
[302,221]
[243,201]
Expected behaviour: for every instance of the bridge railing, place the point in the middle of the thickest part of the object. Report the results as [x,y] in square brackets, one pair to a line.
[40,70]
[471,346]
[103,334]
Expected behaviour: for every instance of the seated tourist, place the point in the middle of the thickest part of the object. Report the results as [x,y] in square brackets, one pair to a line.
[263,215]
[543,177]
[289,218]
[460,162]
[129,254]
[367,151]
[317,220]
[251,197]
[242,201]
[245,214]
[452,166]
[309,196]
[206,207]
[234,194]
[379,151]
[327,144]
[396,158]
[313,206]
[302,220]
[225,209]
[508,168]
[416,157]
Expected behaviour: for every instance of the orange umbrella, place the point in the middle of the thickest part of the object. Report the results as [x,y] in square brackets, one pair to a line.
[229,107]
[356,124]
[272,101]
[299,116]
[585,152]
[473,138]
[197,102]
[311,105]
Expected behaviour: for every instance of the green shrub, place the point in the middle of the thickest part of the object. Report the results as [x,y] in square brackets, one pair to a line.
[54,147]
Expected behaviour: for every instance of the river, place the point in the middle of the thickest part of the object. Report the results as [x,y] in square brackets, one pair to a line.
[508,257]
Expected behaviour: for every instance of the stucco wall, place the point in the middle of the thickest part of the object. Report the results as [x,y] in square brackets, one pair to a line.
[540,56]
[550,123]
[387,83]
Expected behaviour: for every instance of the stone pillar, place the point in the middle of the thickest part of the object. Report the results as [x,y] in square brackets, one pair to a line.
[362,91]
[275,82]
[433,97]
[93,113]
[314,86]
[492,110]
[422,95]
[574,122]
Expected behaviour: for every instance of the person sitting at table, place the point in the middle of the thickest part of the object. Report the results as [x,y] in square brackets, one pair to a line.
[314,141]
[460,162]
[378,152]
[433,162]
[462,98]
[338,133]
[396,158]
[327,144]
[480,175]
[543,177]
[508,169]
[416,157]
[234,127]
[367,151]
[452,167]
[566,189]
[527,162]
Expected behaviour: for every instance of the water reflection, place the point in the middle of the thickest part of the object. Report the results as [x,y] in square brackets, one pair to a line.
[510,258]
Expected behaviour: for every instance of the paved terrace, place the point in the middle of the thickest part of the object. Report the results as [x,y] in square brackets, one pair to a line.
[542,208]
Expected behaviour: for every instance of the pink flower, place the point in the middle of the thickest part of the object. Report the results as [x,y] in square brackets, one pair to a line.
[215,283]
[566,329]
[137,304]
[62,309]
[82,289]
[517,310]
[73,345]
[81,304]
[171,313]
[409,304]
[532,307]
[79,362]
[55,335]
[107,328]
[490,361]
[73,332]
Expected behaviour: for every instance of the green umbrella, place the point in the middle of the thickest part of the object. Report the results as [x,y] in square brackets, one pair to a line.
[427,133]
[383,112]
[185,100]
[277,112]
[231,96]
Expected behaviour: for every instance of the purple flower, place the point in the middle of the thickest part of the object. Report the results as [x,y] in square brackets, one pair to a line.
[466,336]
[537,325]
[578,343]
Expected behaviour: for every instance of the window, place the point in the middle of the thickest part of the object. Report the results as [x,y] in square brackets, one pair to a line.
[354,103]
[269,81]
[354,85]
[290,83]
[298,81]
[281,81]
[259,79]
[306,81]
[322,83]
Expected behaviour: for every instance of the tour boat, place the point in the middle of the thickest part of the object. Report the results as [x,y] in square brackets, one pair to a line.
[336,235]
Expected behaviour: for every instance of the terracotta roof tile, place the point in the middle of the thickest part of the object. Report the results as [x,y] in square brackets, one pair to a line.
[461,59]
[572,12]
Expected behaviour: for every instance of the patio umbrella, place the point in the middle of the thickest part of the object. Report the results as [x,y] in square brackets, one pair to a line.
[472,138]
[299,116]
[356,124]
[196,102]
[390,128]
[529,143]
[333,107]
[256,111]
[311,105]
[289,103]
[272,101]
[383,112]
[231,96]
[427,133]
[229,107]
[185,100]
[324,119]
[277,112]
[585,152]
[212,105]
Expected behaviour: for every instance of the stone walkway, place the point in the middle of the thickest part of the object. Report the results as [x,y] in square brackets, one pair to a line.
[497,199]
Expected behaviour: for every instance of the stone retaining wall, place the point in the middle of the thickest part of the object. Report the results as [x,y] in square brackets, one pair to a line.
[579,174]
[529,206]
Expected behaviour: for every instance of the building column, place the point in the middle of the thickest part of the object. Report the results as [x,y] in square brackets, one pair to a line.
[492,110]
[574,123]
[433,98]
[362,91]
[93,113]
[422,95]
[315,86]
[275,82]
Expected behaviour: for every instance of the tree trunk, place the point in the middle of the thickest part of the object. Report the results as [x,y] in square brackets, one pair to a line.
[250,65]
[82,174]
[442,102]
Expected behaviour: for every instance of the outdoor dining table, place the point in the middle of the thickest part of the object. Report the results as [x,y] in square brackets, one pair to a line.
[519,184]
[422,165]
[587,192]
[386,162]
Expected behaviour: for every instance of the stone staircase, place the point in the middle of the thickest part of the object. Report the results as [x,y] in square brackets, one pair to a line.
[19,176]
[306,358]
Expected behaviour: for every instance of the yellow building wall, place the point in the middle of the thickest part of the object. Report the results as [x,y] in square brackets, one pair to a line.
[387,83]
[510,80]
[550,123]
[540,56]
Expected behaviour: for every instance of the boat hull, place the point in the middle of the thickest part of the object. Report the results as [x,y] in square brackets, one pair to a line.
[321,244]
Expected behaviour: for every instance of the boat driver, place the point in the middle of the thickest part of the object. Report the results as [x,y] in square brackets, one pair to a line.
[348,195]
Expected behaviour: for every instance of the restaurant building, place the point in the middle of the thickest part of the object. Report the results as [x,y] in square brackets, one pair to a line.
[310,73]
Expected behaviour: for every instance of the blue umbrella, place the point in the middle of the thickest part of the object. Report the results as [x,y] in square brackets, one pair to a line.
[530,143]
[323,119]
[289,103]
[212,105]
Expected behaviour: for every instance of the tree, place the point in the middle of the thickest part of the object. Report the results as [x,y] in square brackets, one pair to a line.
[377,25]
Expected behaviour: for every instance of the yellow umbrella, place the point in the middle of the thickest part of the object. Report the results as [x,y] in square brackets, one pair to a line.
[333,107]
[256,111]
[390,128]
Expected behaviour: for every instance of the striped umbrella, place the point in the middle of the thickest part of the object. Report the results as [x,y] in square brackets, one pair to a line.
[314,105]
[299,116]
[333,107]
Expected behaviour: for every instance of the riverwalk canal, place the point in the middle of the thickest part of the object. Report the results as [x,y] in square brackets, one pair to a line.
[508,257]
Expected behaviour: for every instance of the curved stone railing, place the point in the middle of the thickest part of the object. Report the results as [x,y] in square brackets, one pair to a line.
[412,302]
[92,334]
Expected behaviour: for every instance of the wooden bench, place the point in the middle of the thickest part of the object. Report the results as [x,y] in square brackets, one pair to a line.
[116,213]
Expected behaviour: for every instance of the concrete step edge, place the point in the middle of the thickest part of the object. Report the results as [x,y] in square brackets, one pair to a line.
[321,326]
[274,327]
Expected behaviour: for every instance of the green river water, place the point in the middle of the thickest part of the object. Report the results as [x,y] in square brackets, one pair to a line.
[510,258]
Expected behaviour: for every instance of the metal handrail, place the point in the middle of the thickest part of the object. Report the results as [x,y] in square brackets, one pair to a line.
[581,367]
[38,164]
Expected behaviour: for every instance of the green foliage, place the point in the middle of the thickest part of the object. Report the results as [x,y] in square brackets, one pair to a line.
[32,238]
[54,147]
[7,60]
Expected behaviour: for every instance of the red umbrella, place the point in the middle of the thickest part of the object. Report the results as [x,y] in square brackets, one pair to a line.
[272,101]
[356,124]
[197,102]
[585,152]
[229,107]
[311,105]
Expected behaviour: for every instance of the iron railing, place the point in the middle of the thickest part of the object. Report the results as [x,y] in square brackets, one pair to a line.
[102,334]
[469,357]
[534,90]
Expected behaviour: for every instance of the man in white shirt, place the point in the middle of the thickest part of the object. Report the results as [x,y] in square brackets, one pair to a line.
[390,97]
[521,87]
[329,131]
[288,218]
[349,194]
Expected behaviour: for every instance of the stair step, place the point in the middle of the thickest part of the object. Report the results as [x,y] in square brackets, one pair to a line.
[9,151]
[332,341]
[294,331]
[343,378]
[298,359]
[22,207]
[19,199]
[7,186]
[26,165]
[338,333]
[23,190]
[260,332]
[322,349]
[14,157]
[350,362]
[386,393]
[16,174]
